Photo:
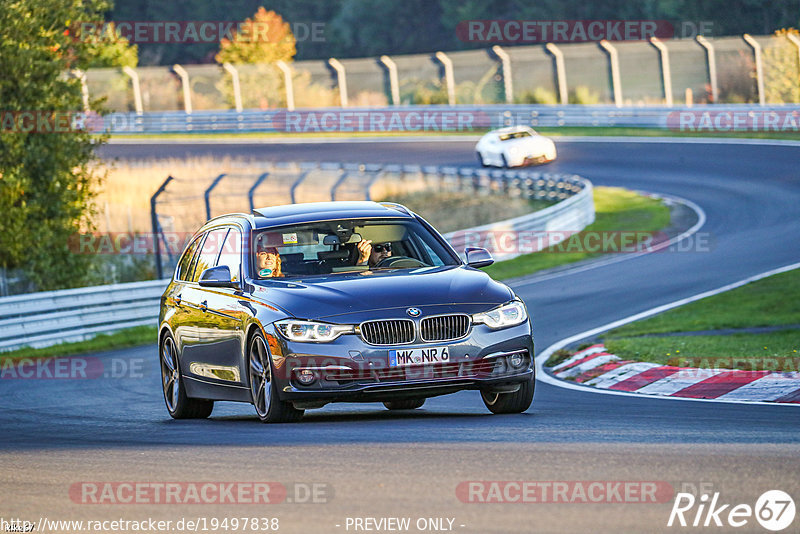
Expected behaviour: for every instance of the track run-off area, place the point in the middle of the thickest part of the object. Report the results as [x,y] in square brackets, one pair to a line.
[375,464]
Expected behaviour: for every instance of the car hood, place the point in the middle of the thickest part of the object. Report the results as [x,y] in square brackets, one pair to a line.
[353,294]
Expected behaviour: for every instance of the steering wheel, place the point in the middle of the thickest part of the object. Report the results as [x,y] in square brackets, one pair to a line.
[399,262]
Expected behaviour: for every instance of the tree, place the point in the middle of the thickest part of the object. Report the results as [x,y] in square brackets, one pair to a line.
[46,181]
[265,38]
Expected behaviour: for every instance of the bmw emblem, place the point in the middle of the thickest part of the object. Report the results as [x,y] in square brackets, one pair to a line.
[413,312]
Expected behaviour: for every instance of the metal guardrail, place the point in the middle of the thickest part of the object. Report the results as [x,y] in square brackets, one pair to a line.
[412,119]
[48,318]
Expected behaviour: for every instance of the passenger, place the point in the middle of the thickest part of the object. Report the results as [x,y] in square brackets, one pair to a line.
[371,255]
[269,262]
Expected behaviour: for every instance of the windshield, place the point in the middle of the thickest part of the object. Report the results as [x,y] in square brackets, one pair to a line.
[347,245]
[515,135]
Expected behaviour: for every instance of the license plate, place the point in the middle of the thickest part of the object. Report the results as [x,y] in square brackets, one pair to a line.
[404,357]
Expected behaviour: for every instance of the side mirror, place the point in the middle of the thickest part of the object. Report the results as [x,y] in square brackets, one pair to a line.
[219,276]
[478,257]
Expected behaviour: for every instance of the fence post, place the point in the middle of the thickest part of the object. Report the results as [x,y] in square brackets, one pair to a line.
[505,60]
[341,80]
[613,60]
[207,194]
[394,86]
[342,177]
[287,82]
[156,229]
[137,89]
[252,190]
[187,91]
[449,79]
[666,75]
[81,75]
[711,62]
[759,67]
[561,73]
[237,91]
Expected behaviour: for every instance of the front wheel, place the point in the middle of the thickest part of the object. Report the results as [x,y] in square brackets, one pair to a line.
[516,402]
[179,405]
[263,391]
[408,404]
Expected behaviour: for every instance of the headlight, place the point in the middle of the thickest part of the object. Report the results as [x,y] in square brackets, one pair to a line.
[509,314]
[296,330]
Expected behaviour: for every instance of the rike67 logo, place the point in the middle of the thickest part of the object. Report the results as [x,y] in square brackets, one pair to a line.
[774,510]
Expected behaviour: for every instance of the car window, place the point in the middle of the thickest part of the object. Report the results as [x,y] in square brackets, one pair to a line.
[185,263]
[331,247]
[209,252]
[514,135]
[231,253]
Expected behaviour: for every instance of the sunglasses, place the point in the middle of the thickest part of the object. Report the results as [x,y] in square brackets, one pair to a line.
[385,247]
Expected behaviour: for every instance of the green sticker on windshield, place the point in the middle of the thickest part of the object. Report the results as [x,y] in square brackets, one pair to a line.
[265,272]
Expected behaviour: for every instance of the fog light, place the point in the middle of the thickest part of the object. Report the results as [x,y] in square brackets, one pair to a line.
[516,360]
[306,377]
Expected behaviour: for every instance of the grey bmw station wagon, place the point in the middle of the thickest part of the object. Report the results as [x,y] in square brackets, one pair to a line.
[293,307]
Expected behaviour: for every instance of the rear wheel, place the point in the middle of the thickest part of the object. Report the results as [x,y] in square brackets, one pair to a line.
[178,404]
[408,404]
[516,402]
[264,394]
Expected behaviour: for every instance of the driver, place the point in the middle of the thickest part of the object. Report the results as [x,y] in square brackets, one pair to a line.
[371,255]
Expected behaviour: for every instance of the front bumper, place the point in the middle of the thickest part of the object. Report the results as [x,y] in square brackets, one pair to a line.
[348,369]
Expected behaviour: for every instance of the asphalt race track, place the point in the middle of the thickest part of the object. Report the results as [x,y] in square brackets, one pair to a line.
[56,433]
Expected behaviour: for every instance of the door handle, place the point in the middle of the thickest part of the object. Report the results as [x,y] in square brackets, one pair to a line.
[204,306]
[177,300]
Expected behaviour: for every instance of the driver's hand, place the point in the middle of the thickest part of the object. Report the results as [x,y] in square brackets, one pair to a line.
[364,250]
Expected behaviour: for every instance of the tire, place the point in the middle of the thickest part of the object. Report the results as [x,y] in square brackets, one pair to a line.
[480,160]
[408,404]
[263,393]
[516,402]
[505,161]
[178,404]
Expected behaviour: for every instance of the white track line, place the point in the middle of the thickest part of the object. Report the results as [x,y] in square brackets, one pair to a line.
[544,377]
[701,220]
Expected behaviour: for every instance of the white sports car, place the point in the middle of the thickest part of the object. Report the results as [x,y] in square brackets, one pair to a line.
[513,147]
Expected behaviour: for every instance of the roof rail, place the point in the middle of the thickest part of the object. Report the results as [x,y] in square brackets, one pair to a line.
[398,207]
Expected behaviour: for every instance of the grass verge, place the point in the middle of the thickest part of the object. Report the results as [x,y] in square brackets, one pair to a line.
[129,337]
[773,301]
[616,210]
[551,131]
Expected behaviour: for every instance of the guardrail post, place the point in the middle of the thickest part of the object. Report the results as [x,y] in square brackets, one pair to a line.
[394,86]
[137,90]
[343,174]
[341,80]
[297,183]
[666,75]
[505,61]
[561,72]
[287,83]
[711,63]
[81,75]
[207,194]
[237,91]
[252,190]
[449,79]
[759,67]
[187,91]
[156,227]
[613,61]
[376,175]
